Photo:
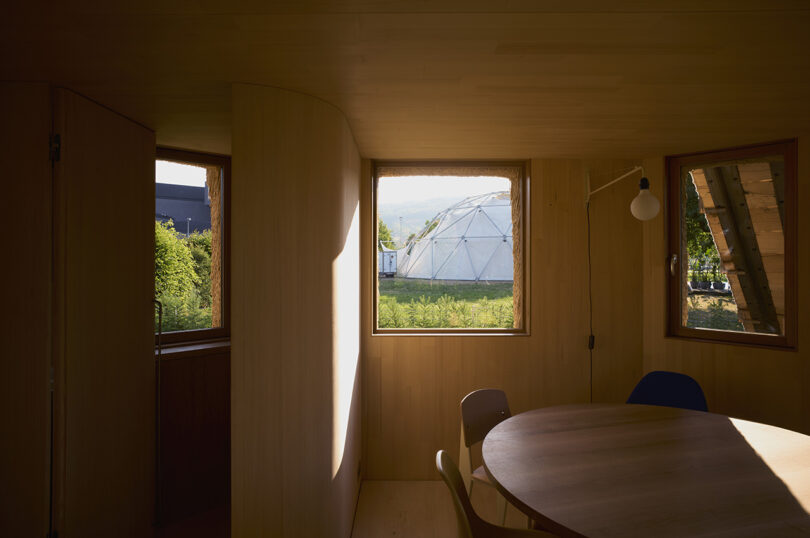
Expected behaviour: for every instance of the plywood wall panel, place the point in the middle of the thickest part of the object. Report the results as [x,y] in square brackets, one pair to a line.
[442,79]
[295,336]
[194,434]
[617,282]
[104,343]
[413,384]
[25,331]
[752,383]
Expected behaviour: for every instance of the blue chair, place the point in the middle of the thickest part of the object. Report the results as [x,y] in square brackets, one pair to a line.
[669,389]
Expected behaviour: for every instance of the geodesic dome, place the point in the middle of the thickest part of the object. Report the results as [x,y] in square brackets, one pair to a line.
[471,240]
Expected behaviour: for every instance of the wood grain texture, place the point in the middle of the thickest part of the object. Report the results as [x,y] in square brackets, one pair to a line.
[443,79]
[413,384]
[25,329]
[420,508]
[195,434]
[616,282]
[637,470]
[404,508]
[295,337]
[764,385]
[104,356]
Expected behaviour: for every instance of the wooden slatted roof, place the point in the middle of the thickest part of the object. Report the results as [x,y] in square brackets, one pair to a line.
[744,213]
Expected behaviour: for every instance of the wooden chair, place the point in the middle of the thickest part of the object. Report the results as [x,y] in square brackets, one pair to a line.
[470,525]
[669,389]
[481,410]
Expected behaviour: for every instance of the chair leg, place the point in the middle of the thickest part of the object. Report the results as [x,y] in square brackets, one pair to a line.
[464,461]
[500,504]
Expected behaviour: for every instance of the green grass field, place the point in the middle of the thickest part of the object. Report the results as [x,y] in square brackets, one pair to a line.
[409,303]
[710,312]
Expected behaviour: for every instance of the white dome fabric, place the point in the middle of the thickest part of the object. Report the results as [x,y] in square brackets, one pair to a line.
[472,240]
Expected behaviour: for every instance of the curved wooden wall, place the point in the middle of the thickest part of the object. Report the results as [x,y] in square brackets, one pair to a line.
[295,336]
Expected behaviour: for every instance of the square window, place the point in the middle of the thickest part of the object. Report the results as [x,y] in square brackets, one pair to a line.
[732,237]
[449,245]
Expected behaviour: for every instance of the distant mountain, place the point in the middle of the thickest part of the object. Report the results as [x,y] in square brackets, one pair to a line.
[414,214]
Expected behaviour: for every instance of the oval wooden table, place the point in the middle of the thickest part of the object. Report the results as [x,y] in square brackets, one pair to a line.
[637,470]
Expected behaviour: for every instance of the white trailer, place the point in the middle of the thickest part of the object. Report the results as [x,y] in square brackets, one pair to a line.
[387,263]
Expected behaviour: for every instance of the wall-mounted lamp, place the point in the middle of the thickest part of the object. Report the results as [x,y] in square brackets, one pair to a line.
[644,206]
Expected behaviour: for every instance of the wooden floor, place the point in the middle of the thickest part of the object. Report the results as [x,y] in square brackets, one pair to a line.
[214,523]
[412,509]
[419,509]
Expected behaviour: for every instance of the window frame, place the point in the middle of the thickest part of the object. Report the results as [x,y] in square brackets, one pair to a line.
[183,156]
[524,166]
[673,165]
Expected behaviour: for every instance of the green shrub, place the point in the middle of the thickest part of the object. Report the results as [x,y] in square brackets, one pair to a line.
[444,311]
[182,278]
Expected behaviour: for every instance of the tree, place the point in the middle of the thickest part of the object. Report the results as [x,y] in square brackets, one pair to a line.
[430,225]
[699,241]
[174,264]
[383,235]
[199,245]
[183,278]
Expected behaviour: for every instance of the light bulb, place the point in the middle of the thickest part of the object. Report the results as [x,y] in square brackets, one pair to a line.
[644,206]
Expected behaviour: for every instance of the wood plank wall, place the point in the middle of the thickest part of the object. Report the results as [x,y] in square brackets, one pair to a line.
[747,382]
[80,299]
[413,384]
[617,282]
[25,331]
[194,434]
[295,336]
[104,334]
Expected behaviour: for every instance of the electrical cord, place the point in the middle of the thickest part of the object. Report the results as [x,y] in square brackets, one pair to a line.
[591,338]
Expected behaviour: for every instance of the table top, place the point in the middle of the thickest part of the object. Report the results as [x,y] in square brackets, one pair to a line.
[637,470]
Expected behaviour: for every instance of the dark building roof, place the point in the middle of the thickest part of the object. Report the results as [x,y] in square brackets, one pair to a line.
[180,203]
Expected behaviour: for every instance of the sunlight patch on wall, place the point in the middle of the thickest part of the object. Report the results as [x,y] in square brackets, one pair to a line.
[345,336]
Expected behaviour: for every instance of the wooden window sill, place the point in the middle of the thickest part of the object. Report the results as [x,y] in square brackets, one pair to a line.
[196,349]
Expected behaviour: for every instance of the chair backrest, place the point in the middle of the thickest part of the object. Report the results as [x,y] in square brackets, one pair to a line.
[669,389]
[465,515]
[482,410]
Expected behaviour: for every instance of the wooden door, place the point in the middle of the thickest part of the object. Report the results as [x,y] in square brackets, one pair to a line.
[26,327]
[103,333]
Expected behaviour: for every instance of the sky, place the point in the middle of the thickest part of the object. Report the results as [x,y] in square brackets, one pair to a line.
[418,188]
[390,190]
[179,174]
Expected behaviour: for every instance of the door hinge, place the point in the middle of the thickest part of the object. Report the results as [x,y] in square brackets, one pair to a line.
[55,147]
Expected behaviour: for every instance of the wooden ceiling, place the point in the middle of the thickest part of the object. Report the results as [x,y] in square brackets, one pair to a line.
[441,78]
